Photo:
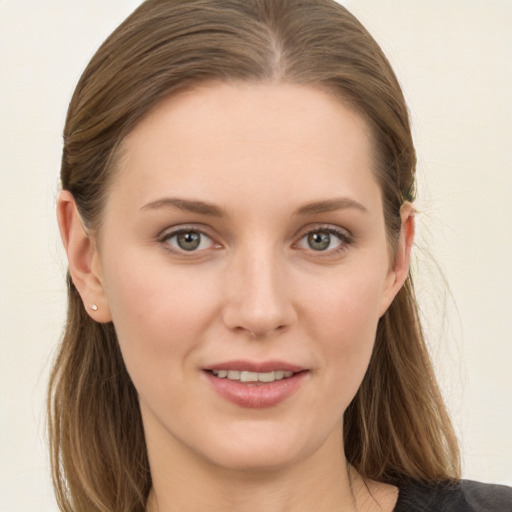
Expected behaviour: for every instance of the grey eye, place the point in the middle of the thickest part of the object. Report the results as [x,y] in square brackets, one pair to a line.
[319,241]
[189,240]
[328,239]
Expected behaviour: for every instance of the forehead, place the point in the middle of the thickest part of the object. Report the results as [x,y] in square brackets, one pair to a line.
[259,139]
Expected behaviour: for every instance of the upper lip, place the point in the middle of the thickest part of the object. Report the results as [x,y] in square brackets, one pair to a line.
[258,367]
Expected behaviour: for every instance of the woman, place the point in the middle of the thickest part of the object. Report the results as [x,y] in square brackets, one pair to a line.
[238,179]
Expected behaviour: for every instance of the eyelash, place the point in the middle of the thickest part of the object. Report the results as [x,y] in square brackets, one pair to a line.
[165,238]
[344,238]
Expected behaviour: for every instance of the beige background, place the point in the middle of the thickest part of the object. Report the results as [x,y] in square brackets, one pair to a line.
[453,58]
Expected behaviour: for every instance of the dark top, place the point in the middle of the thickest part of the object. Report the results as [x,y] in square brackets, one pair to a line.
[466,496]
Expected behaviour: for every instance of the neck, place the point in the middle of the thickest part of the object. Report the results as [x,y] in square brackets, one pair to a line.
[321,481]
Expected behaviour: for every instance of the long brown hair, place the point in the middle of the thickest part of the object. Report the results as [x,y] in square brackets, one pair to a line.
[397,426]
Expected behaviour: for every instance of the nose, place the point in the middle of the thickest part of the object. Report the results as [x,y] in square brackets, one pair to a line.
[259,296]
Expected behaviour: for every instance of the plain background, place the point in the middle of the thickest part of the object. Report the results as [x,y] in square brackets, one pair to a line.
[453,58]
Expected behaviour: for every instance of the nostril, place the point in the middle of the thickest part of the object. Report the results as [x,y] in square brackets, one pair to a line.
[264,332]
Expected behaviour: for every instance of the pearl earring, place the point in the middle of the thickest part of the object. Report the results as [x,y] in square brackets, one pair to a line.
[94,307]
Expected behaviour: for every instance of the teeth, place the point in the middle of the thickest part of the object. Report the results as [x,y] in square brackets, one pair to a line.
[246,376]
[267,377]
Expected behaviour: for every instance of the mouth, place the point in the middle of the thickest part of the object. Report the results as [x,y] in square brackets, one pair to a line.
[255,384]
[252,377]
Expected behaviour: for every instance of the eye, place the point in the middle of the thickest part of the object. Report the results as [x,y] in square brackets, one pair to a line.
[324,240]
[187,240]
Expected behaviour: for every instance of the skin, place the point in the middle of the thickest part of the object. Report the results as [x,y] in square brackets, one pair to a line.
[254,289]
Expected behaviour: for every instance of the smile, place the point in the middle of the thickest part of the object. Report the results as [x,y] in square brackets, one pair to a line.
[256,385]
[249,376]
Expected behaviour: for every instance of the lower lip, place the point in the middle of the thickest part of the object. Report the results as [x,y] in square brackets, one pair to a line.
[256,395]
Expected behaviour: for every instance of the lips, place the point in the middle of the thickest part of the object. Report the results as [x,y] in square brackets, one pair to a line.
[247,376]
[255,385]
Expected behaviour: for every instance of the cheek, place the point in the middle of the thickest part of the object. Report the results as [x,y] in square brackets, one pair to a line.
[345,316]
[348,304]
[160,314]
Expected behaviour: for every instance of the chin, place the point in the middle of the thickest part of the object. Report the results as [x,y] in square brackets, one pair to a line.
[258,460]
[268,449]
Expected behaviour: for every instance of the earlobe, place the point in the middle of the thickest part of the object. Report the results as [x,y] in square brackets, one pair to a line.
[83,258]
[400,269]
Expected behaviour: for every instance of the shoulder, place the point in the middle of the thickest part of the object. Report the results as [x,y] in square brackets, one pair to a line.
[463,496]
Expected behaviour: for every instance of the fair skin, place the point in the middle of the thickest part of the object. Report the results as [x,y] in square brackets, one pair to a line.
[245,229]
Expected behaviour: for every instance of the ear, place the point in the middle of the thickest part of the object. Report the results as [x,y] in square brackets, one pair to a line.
[83,258]
[399,269]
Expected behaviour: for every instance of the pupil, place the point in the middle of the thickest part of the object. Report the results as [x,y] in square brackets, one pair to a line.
[189,241]
[319,241]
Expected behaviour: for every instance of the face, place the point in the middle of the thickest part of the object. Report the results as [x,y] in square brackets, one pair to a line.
[244,262]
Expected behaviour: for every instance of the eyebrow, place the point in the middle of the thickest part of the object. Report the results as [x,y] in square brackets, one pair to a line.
[204,208]
[185,205]
[330,205]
